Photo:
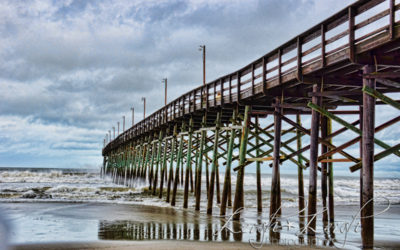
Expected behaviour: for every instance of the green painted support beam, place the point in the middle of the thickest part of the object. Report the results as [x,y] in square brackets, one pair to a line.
[385,99]
[347,125]
[377,157]
[281,151]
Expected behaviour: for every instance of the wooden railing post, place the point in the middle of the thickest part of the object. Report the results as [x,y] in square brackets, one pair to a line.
[351,15]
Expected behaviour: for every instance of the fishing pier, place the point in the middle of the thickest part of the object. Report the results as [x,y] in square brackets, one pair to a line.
[343,67]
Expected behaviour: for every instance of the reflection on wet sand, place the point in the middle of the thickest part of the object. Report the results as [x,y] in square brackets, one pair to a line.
[210,229]
[131,230]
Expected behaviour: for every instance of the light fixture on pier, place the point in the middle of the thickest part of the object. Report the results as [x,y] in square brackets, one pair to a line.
[165,95]
[203,48]
[144,107]
[133,116]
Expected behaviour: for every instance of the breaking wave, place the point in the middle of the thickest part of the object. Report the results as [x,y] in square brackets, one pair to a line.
[52,185]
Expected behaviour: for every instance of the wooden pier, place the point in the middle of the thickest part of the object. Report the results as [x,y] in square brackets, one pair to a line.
[346,65]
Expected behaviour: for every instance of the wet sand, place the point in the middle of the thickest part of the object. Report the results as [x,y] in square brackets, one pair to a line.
[48,225]
[152,245]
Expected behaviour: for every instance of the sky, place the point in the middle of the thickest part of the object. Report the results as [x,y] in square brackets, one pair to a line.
[69,70]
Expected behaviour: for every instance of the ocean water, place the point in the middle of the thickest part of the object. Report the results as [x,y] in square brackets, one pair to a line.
[75,185]
[47,205]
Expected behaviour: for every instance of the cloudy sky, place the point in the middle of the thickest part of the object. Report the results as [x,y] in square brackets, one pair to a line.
[69,70]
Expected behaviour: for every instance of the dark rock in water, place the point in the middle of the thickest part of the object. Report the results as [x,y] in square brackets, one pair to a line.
[29,194]
[36,194]
[44,196]
[9,190]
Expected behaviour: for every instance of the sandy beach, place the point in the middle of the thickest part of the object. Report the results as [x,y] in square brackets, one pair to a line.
[74,210]
[151,245]
[44,225]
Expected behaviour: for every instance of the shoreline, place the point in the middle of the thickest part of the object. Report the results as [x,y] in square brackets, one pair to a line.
[120,226]
[174,244]
[154,245]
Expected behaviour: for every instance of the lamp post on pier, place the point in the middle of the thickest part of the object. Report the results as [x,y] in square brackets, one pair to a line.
[203,48]
[133,116]
[144,107]
[123,123]
[165,96]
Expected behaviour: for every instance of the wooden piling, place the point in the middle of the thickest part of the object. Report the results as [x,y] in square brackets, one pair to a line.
[135,161]
[367,195]
[217,183]
[258,170]
[360,108]
[178,162]
[191,177]
[171,166]
[227,183]
[300,175]
[331,194]
[144,170]
[196,160]
[239,192]
[163,169]
[324,171]
[188,165]
[142,160]
[181,177]
[312,189]
[207,173]
[214,165]
[153,155]
[200,164]
[275,181]
[229,192]
[157,162]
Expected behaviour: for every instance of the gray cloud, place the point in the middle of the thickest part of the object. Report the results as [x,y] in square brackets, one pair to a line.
[82,64]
